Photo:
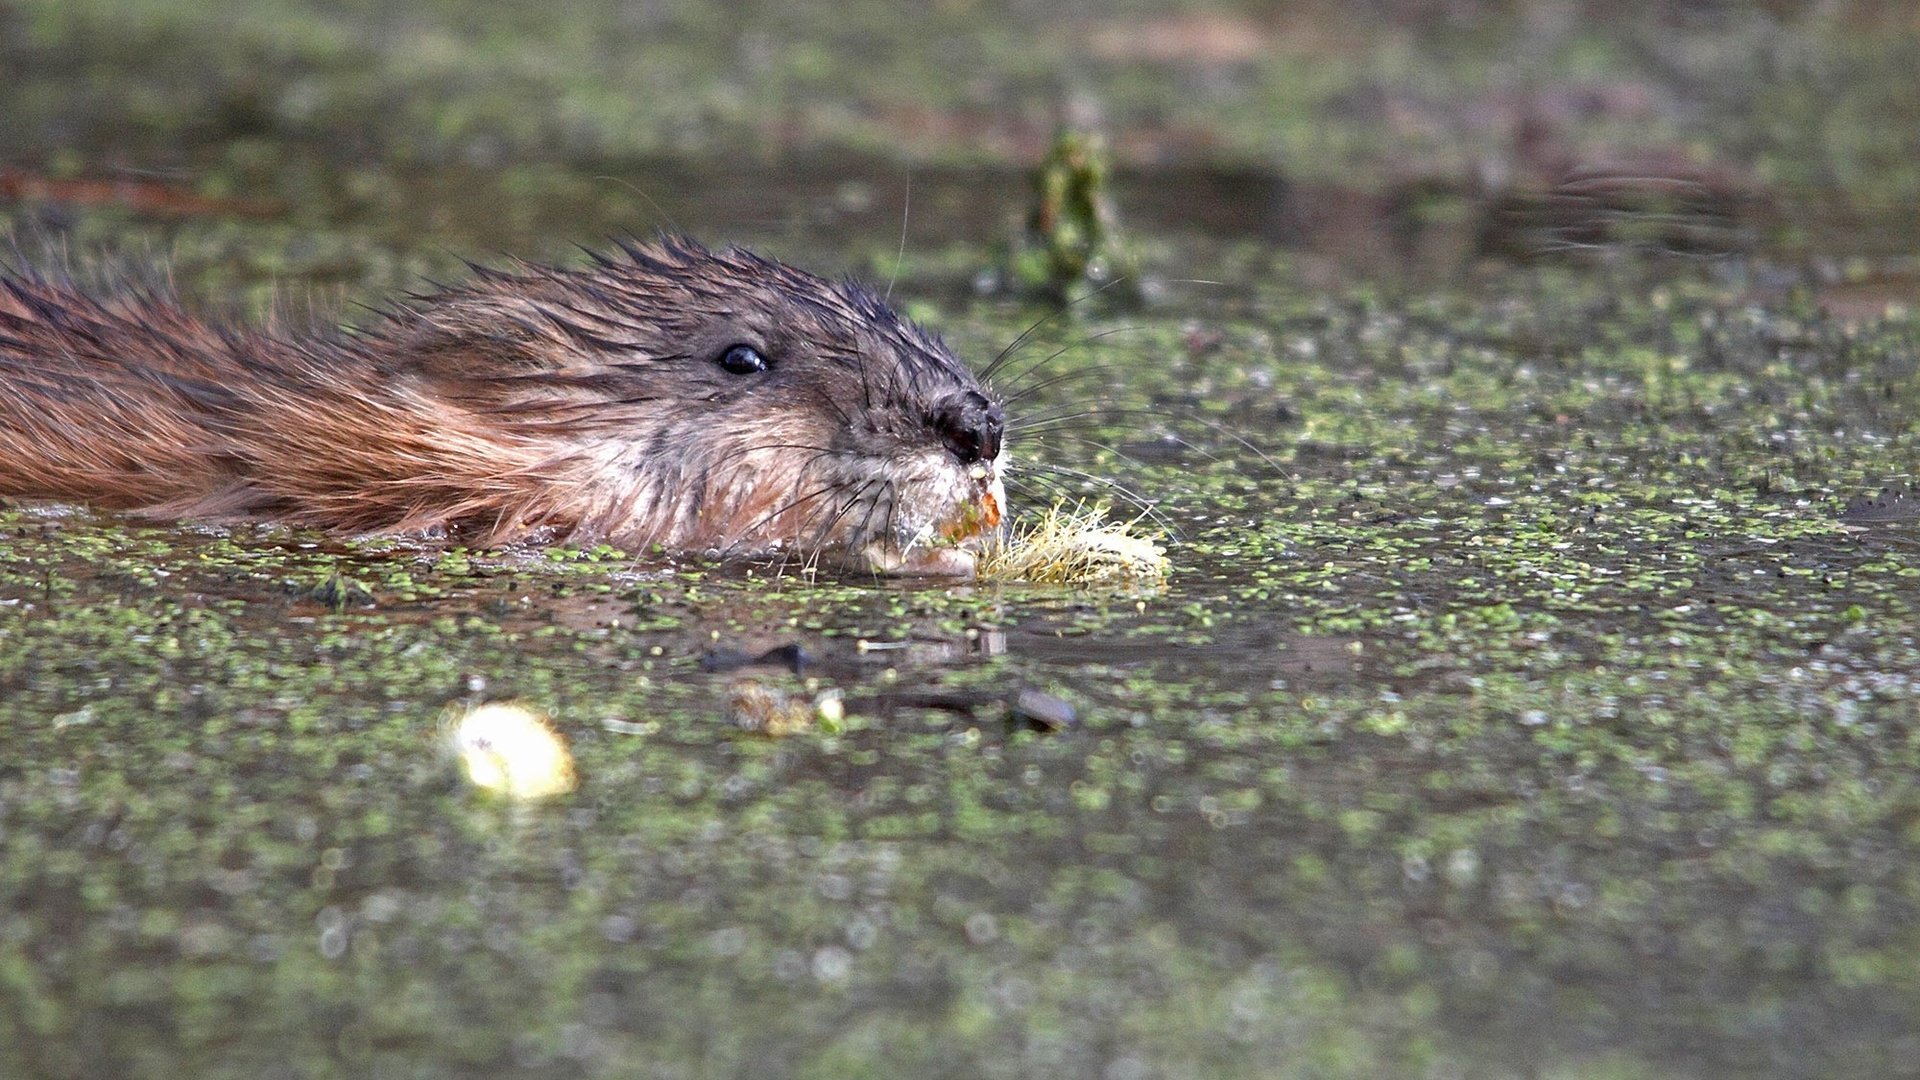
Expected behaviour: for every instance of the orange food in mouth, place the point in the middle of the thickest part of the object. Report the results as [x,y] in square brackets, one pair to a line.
[974,520]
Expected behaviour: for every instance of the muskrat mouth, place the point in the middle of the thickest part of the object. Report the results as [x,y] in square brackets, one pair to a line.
[948,546]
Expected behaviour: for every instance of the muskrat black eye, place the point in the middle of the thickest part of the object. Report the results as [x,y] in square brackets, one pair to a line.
[743,360]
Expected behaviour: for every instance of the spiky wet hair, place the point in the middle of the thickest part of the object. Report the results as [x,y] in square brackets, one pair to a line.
[661,394]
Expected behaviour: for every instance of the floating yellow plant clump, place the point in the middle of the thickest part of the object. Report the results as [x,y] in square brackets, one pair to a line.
[1074,546]
[511,750]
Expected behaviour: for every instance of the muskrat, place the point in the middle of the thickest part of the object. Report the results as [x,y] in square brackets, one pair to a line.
[663,395]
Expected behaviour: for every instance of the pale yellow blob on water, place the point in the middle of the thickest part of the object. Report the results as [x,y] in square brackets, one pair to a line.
[513,751]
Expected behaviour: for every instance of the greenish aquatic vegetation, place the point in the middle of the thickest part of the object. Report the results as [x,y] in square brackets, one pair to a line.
[1072,242]
[1530,643]
[1517,703]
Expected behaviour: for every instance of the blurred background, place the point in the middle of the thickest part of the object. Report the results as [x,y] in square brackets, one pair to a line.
[1370,131]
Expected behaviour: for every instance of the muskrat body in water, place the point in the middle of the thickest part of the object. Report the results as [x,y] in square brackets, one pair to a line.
[700,401]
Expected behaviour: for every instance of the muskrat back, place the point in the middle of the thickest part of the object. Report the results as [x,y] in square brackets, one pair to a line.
[702,401]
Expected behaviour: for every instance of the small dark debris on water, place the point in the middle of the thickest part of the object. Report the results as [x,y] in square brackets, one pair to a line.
[336,592]
[1041,711]
[724,658]
[1026,709]
[1166,450]
[1895,502]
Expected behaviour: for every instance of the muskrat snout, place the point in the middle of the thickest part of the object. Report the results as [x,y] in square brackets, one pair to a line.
[971,426]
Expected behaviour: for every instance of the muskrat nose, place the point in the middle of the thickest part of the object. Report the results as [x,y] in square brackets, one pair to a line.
[970,425]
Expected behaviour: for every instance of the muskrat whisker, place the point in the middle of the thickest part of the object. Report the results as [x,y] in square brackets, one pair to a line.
[1188,416]
[642,193]
[890,389]
[1033,480]
[1045,475]
[1065,434]
[1116,451]
[900,257]
[1115,486]
[1062,493]
[1014,381]
[1043,420]
[1059,491]
[818,542]
[1046,431]
[746,534]
[805,498]
[866,531]
[1065,377]
[824,398]
[823,451]
[519,408]
[888,527]
[1074,486]
[816,545]
[986,375]
[859,365]
[787,551]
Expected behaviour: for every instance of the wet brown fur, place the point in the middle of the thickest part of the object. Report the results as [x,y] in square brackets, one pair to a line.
[581,403]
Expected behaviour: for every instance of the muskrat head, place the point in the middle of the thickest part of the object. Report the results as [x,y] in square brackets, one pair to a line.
[718,401]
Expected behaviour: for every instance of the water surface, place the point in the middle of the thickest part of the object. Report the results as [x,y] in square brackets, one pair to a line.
[1521,703]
